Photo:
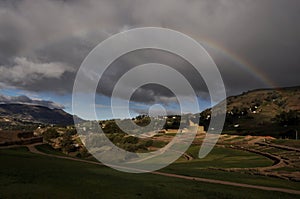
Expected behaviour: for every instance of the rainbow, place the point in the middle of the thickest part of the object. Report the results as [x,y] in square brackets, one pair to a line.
[241,62]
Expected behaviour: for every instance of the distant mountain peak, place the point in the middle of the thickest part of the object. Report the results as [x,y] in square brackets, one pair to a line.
[35,114]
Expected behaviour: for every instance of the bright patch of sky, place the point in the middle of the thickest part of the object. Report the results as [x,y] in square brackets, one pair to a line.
[103,105]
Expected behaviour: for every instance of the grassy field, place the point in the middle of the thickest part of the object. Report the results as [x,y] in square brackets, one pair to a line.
[229,158]
[218,158]
[26,175]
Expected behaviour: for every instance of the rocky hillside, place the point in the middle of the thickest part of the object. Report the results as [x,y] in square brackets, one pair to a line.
[268,102]
[263,111]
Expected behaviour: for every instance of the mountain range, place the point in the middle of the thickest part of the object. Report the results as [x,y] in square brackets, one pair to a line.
[34,114]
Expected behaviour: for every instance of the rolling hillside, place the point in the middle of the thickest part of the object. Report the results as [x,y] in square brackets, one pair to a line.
[263,112]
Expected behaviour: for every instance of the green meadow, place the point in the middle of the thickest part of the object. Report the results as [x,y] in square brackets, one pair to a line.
[27,175]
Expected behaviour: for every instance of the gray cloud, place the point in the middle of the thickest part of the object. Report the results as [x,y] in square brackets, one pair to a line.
[24,71]
[43,42]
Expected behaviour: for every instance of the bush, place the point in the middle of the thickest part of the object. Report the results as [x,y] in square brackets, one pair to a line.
[149,143]
[50,134]
[67,144]
[130,140]
[71,132]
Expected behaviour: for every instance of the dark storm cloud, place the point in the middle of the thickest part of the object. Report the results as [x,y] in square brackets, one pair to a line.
[26,100]
[149,93]
[43,42]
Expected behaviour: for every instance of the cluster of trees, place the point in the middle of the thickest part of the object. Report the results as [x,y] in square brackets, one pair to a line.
[130,143]
[142,120]
[50,133]
[205,119]
[111,127]
[66,142]
[289,118]
[172,122]
[126,142]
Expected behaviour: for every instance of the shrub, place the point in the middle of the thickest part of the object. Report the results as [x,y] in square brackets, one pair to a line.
[50,133]
[149,143]
[130,140]
[67,144]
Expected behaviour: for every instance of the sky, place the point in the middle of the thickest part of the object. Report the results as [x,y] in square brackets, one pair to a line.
[254,43]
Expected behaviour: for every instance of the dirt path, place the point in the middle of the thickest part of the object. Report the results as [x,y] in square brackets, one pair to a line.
[229,183]
[290,191]
[279,146]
